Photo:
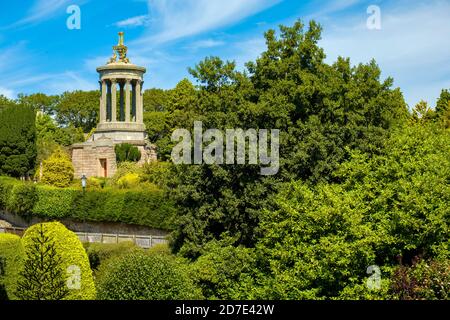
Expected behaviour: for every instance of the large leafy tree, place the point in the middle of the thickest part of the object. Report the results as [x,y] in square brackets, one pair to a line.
[180,111]
[323,111]
[155,100]
[79,109]
[40,102]
[17,140]
[319,240]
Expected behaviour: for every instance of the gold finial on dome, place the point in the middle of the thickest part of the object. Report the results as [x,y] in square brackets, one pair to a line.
[120,50]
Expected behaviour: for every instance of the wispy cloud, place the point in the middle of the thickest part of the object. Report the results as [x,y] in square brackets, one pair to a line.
[137,21]
[176,19]
[205,44]
[43,10]
[9,93]
[413,46]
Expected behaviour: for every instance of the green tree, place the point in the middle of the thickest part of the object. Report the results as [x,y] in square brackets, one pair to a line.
[5,102]
[322,111]
[155,100]
[43,277]
[78,108]
[17,140]
[180,111]
[422,112]
[442,104]
[126,152]
[61,261]
[317,241]
[40,102]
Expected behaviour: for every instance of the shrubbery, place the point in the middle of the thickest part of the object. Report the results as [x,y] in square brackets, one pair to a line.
[153,276]
[127,152]
[130,180]
[424,280]
[11,259]
[22,199]
[100,253]
[65,256]
[58,169]
[146,205]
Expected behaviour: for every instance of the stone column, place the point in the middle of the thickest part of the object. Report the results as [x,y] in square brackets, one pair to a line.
[127,100]
[121,103]
[139,113]
[113,100]
[103,102]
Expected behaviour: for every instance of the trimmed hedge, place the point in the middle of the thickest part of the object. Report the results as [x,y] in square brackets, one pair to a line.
[147,206]
[71,252]
[151,276]
[11,258]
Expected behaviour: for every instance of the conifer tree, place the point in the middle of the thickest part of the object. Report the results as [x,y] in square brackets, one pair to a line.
[42,277]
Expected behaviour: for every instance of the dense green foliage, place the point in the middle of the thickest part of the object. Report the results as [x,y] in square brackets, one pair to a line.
[363,181]
[100,253]
[42,276]
[153,276]
[58,169]
[11,260]
[126,152]
[50,136]
[17,140]
[55,259]
[322,111]
[79,108]
[146,205]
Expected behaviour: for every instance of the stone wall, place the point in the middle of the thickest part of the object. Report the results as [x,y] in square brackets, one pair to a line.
[86,157]
[80,226]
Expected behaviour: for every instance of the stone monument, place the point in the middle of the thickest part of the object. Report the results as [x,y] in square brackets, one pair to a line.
[120,118]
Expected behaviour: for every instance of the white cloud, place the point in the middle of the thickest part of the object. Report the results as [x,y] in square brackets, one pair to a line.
[205,44]
[413,46]
[176,19]
[137,21]
[43,10]
[9,93]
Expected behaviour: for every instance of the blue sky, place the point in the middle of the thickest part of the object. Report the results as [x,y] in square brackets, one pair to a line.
[38,53]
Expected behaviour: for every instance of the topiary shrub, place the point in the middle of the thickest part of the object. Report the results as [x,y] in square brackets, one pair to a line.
[100,253]
[140,276]
[22,199]
[54,202]
[58,257]
[127,152]
[58,169]
[6,186]
[11,259]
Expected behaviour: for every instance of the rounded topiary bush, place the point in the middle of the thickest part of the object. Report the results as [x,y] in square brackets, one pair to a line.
[11,259]
[56,257]
[140,276]
[58,170]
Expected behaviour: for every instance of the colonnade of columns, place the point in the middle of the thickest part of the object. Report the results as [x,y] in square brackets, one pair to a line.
[130,101]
